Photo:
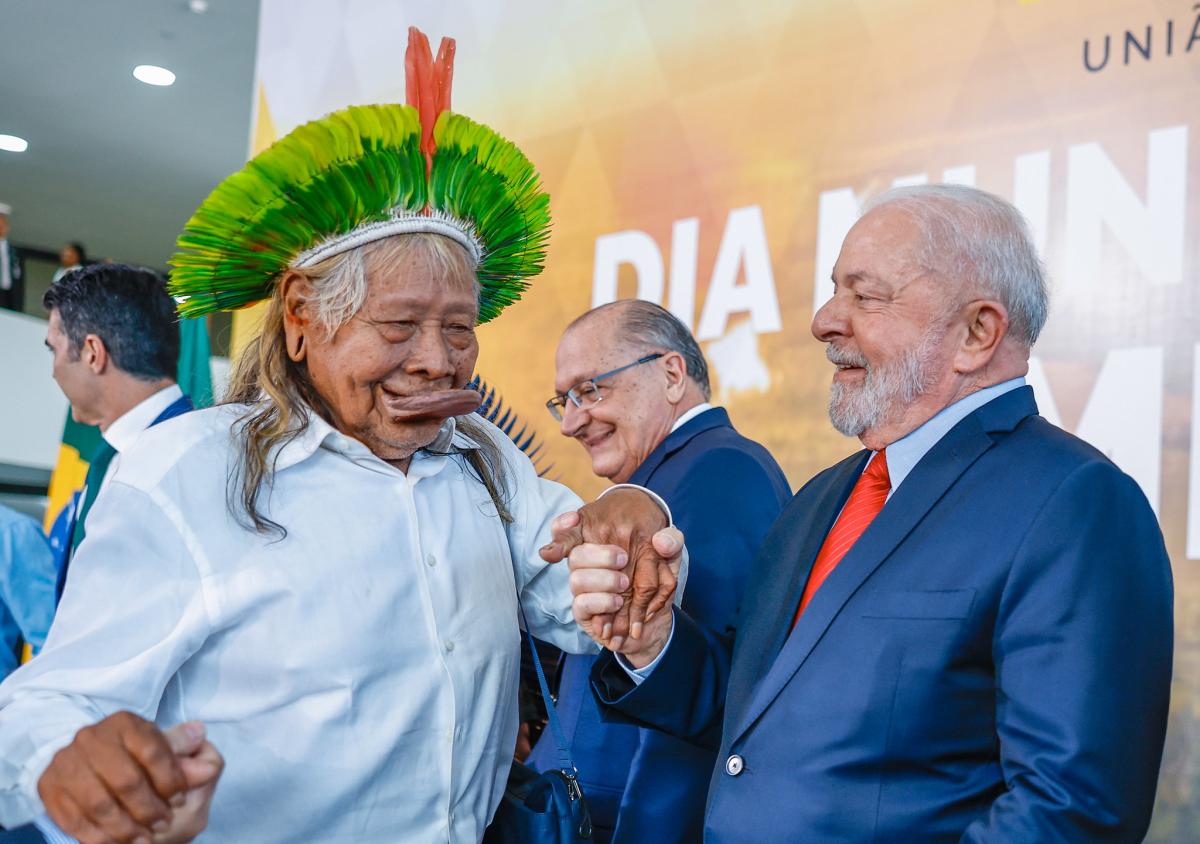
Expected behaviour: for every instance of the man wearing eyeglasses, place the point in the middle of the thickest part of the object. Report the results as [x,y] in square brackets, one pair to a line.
[634,392]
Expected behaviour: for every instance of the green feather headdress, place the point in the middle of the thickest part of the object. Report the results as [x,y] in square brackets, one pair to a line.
[361,174]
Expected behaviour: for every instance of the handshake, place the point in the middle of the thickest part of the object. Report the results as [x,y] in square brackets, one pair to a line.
[624,563]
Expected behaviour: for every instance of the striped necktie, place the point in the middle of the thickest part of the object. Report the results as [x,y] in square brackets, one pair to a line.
[865,502]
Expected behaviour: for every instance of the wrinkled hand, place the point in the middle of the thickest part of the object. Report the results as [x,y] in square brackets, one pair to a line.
[598,583]
[627,519]
[121,780]
[202,768]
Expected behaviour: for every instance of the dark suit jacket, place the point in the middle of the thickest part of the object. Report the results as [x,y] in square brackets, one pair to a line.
[724,491]
[14,298]
[22,835]
[990,662]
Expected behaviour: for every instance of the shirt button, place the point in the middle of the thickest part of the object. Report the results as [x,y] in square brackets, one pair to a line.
[430,560]
[448,645]
[734,765]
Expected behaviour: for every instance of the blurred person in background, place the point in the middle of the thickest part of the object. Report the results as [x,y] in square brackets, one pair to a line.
[114,337]
[27,579]
[70,257]
[635,395]
[12,267]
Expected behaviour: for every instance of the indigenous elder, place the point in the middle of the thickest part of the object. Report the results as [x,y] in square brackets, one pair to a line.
[634,392]
[324,572]
[962,633]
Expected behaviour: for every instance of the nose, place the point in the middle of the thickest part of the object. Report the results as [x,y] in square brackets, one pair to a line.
[429,354]
[830,321]
[573,419]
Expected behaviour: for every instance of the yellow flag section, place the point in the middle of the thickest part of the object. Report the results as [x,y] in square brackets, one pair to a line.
[247,321]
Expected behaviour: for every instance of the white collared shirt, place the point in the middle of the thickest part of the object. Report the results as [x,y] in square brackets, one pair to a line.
[129,426]
[690,415]
[359,676]
[905,453]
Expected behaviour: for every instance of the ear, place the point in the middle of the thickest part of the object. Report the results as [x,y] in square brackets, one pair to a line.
[94,354]
[676,369]
[986,322]
[297,312]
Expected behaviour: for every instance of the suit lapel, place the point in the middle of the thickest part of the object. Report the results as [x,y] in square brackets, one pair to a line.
[922,489]
[781,570]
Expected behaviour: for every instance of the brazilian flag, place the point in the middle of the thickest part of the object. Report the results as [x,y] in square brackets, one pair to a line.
[80,442]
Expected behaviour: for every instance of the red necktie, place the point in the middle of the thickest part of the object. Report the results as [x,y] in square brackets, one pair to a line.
[864,504]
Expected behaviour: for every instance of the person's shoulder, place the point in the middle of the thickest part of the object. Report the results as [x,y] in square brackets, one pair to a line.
[1046,461]
[15,522]
[722,460]
[1036,441]
[190,443]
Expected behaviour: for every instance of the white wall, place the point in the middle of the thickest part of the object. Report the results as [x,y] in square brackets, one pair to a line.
[34,409]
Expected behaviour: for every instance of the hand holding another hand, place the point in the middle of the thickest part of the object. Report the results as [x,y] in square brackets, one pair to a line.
[601,585]
[631,521]
[124,780]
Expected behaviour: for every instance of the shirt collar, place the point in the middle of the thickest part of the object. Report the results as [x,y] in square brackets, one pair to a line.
[690,415]
[905,453]
[320,434]
[124,432]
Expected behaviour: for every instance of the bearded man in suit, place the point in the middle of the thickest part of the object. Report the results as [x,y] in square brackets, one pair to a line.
[962,633]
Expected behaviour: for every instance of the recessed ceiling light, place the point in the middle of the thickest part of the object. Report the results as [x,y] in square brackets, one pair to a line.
[12,143]
[153,75]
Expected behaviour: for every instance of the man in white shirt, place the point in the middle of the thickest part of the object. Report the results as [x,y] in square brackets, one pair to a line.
[114,336]
[325,571]
[334,594]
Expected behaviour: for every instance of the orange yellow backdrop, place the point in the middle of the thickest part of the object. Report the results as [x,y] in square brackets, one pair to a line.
[710,156]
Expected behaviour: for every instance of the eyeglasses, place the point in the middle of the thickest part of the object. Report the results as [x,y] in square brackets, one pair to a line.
[586,393]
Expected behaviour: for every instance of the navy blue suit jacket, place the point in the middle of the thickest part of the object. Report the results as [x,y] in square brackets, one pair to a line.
[990,662]
[725,491]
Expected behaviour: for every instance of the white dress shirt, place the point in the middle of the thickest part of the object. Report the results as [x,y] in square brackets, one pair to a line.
[359,676]
[689,415]
[129,426]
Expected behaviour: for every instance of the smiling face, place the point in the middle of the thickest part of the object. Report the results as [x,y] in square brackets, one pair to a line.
[409,347]
[636,408]
[890,330]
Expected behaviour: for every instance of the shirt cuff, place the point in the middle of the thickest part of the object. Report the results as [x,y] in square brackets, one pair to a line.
[50,831]
[657,499]
[640,675]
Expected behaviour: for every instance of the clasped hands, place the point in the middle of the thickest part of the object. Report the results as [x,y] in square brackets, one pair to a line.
[624,562]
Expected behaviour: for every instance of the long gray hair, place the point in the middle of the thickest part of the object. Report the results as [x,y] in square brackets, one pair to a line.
[279,395]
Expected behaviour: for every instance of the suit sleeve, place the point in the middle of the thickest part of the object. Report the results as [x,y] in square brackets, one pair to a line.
[685,694]
[724,504]
[1083,654]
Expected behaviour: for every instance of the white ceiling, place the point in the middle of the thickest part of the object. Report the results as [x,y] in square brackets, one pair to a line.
[112,162]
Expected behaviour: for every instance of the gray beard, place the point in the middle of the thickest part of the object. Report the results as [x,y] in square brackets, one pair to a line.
[887,390]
